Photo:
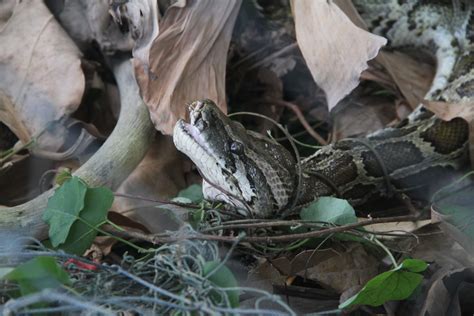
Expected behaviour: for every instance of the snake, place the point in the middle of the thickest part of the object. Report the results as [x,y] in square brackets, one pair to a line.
[263,179]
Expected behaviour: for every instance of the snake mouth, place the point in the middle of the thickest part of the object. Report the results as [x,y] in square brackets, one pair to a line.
[186,136]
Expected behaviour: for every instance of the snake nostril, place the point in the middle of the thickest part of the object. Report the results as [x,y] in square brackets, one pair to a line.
[201,125]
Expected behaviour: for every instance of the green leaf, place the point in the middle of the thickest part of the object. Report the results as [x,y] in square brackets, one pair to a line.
[331,210]
[413,265]
[223,278]
[97,202]
[193,193]
[396,284]
[196,217]
[38,274]
[63,209]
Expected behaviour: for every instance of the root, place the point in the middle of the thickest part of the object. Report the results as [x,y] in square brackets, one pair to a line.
[109,166]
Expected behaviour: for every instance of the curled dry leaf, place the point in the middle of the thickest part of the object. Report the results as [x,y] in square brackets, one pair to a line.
[89,21]
[142,18]
[187,60]
[335,49]
[41,79]
[413,79]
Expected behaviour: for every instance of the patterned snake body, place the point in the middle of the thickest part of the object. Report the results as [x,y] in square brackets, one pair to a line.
[259,176]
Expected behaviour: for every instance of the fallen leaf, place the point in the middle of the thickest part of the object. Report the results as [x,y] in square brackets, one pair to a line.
[451,293]
[41,79]
[159,176]
[413,80]
[453,209]
[195,49]
[402,227]
[266,274]
[335,50]
[412,77]
[362,116]
[450,110]
[334,269]
[438,245]
[91,21]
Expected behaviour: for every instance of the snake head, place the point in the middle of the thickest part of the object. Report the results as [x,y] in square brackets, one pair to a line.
[240,167]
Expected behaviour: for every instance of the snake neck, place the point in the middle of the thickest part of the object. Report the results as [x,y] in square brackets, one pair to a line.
[408,159]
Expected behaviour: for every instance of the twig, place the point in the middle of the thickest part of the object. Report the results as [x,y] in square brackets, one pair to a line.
[155,239]
[282,51]
[301,118]
[163,202]
[409,205]
[14,151]
[47,295]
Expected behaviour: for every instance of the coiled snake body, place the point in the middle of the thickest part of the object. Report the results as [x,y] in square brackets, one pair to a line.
[257,174]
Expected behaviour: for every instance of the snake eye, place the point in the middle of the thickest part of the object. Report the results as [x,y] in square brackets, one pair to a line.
[237,148]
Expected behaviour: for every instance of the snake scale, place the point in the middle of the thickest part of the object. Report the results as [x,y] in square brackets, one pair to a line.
[259,176]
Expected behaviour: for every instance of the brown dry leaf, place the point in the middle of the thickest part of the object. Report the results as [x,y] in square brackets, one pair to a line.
[402,227]
[41,79]
[448,111]
[363,116]
[412,77]
[159,176]
[435,244]
[187,60]
[336,270]
[267,274]
[335,50]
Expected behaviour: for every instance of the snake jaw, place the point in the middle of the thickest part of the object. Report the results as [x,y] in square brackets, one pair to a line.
[189,139]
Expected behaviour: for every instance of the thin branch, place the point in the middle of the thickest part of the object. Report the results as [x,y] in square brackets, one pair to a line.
[161,202]
[300,117]
[156,239]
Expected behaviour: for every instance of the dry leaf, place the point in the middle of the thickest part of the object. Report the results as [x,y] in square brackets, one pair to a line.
[403,228]
[363,116]
[412,77]
[41,79]
[159,176]
[89,21]
[448,111]
[338,271]
[335,50]
[187,60]
[266,274]
[142,16]
[6,10]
